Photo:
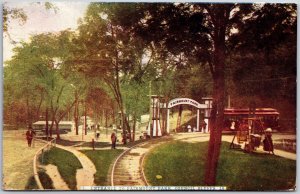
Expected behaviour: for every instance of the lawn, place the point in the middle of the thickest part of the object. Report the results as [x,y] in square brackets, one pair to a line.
[66,163]
[102,159]
[236,170]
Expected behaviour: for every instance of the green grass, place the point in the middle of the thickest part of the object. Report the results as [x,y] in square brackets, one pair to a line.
[102,159]
[182,164]
[66,163]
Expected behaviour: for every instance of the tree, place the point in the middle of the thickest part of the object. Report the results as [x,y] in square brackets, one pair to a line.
[39,65]
[202,33]
[106,50]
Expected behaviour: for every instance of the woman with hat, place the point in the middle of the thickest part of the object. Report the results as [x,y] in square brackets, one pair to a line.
[268,142]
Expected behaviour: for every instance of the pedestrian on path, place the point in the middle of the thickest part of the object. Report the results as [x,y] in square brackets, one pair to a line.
[113,140]
[268,142]
[97,135]
[29,136]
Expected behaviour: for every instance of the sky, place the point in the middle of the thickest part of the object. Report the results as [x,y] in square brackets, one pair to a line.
[42,20]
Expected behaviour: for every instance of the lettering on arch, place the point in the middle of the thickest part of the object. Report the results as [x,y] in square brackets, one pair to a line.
[185,101]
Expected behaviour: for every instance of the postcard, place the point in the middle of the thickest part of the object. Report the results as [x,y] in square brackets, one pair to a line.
[144,96]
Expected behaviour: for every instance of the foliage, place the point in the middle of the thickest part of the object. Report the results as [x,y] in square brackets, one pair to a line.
[67,164]
[135,98]
[37,70]
[237,170]
[12,13]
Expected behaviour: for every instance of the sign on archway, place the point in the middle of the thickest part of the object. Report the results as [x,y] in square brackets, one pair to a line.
[185,101]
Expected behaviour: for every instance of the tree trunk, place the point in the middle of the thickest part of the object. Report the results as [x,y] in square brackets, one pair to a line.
[133,127]
[76,113]
[39,106]
[51,126]
[28,111]
[57,129]
[217,113]
[106,115]
[47,123]
[85,124]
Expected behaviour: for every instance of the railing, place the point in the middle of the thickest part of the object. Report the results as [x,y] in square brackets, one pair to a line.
[42,151]
[288,144]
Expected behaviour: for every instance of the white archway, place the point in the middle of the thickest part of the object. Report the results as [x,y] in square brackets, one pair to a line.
[185,101]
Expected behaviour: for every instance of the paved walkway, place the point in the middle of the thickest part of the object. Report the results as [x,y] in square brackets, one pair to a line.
[58,181]
[84,176]
[277,152]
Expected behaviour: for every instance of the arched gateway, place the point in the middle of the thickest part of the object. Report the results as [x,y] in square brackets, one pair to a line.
[186,101]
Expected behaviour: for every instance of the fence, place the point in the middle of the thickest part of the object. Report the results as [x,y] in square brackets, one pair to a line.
[41,152]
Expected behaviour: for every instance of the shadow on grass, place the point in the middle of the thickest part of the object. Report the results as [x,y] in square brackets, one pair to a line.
[97,144]
[63,142]
[108,144]
[45,180]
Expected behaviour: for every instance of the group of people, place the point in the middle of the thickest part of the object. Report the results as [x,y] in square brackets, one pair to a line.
[114,139]
[194,129]
[30,134]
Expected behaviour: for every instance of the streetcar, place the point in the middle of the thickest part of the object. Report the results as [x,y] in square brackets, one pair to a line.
[261,117]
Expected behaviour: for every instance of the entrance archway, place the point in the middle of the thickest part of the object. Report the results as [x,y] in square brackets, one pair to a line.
[185,101]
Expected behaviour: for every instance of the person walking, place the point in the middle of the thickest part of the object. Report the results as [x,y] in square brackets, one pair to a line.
[113,140]
[29,137]
[97,135]
[268,142]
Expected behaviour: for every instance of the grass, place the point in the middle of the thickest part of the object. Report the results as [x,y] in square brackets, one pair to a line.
[182,164]
[102,159]
[66,163]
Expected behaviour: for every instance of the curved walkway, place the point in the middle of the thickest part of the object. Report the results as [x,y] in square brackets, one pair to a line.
[85,175]
[58,181]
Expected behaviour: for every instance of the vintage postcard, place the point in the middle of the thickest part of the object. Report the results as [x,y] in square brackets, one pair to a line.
[183,96]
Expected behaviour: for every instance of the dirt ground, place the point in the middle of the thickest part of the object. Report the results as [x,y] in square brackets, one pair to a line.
[17,160]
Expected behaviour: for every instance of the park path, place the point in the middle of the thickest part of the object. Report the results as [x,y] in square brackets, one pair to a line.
[277,152]
[58,181]
[85,175]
